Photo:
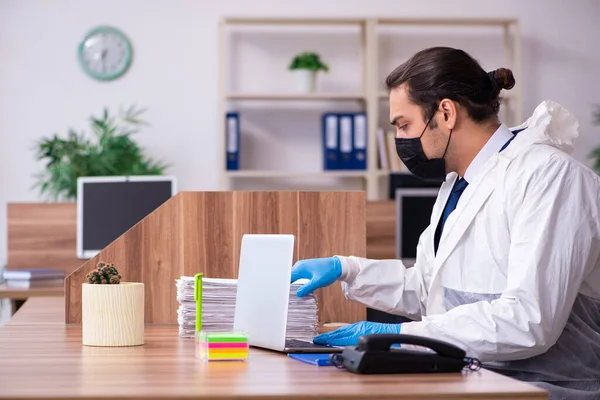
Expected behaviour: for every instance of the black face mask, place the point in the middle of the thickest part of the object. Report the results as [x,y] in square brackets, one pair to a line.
[412,155]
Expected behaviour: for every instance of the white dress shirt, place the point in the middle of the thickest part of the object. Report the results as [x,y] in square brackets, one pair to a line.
[493,145]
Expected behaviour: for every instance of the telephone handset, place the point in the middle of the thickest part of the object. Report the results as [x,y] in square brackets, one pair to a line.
[376,354]
[385,341]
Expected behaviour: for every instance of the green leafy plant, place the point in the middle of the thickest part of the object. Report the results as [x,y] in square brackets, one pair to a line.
[110,151]
[595,154]
[105,274]
[309,61]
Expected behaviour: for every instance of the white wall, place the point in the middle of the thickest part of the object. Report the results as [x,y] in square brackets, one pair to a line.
[43,90]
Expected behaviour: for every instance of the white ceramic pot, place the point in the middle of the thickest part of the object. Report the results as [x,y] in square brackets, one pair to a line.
[306,80]
[112,315]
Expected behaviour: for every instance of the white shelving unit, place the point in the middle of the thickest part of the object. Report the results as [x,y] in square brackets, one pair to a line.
[295,96]
[370,97]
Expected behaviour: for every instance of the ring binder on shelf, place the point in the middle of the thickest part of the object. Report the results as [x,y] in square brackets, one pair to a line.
[330,129]
[359,157]
[346,145]
[232,127]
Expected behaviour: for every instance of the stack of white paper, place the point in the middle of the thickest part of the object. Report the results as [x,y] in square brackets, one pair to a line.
[218,308]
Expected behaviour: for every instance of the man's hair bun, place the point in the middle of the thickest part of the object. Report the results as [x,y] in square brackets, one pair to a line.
[502,78]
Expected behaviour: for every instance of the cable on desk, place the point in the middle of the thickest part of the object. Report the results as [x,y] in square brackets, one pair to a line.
[473,363]
[336,360]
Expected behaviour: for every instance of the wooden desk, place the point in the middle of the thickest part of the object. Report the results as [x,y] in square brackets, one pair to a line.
[19,295]
[8,292]
[42,358]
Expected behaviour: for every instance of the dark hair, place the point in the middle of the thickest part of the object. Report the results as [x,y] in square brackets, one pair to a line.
[443,72]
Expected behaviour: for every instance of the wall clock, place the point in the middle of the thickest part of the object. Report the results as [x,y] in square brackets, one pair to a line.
[105,53]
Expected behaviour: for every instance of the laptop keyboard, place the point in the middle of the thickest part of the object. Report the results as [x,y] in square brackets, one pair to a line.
[301,344]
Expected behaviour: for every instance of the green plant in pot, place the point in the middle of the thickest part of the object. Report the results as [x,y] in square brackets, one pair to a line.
[306,65]
[110,151]
[595,154]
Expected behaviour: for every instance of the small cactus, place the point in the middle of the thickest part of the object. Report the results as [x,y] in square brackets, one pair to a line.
[104,274]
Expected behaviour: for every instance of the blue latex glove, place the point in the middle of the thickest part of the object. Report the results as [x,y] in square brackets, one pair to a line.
[348,335]
[320,271]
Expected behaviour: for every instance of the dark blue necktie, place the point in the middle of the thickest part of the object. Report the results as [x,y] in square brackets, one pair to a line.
[457,191]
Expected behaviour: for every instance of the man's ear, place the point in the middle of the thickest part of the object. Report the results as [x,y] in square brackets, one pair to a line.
[448,110]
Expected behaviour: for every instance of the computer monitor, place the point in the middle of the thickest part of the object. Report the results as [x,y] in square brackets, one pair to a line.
[413,214]
[108,206]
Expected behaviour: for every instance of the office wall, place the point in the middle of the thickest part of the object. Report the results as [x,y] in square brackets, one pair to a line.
[43,90]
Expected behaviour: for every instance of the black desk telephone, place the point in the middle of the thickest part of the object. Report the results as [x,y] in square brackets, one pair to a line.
[375,354]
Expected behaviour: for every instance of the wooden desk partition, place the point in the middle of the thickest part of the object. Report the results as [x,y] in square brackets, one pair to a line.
[202,231]
[42,235]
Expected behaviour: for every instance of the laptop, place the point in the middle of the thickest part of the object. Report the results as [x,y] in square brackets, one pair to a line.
[263,291]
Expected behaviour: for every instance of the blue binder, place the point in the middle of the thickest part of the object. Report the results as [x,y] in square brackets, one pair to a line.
[359,156]
[330,123]
[346,123]
[232,132]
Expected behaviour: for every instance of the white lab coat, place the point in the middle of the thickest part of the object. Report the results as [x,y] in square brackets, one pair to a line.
[518,263]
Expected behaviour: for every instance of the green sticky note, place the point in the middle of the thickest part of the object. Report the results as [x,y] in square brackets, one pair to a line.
[224,337]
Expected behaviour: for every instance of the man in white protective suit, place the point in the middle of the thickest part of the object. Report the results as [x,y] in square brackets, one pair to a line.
[509,267]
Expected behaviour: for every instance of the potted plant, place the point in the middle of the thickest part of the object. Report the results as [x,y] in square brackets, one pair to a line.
[112,312]
[111,151]
[306,65]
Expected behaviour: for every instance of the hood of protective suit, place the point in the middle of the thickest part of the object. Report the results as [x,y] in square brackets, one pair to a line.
[550,124]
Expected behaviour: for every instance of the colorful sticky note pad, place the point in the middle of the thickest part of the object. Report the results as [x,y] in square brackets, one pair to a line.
[221,346]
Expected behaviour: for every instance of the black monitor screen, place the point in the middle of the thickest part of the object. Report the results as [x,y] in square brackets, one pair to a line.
[109,209]
[416,214]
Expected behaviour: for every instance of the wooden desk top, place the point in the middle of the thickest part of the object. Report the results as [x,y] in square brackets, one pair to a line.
[17,293]
[46,360]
